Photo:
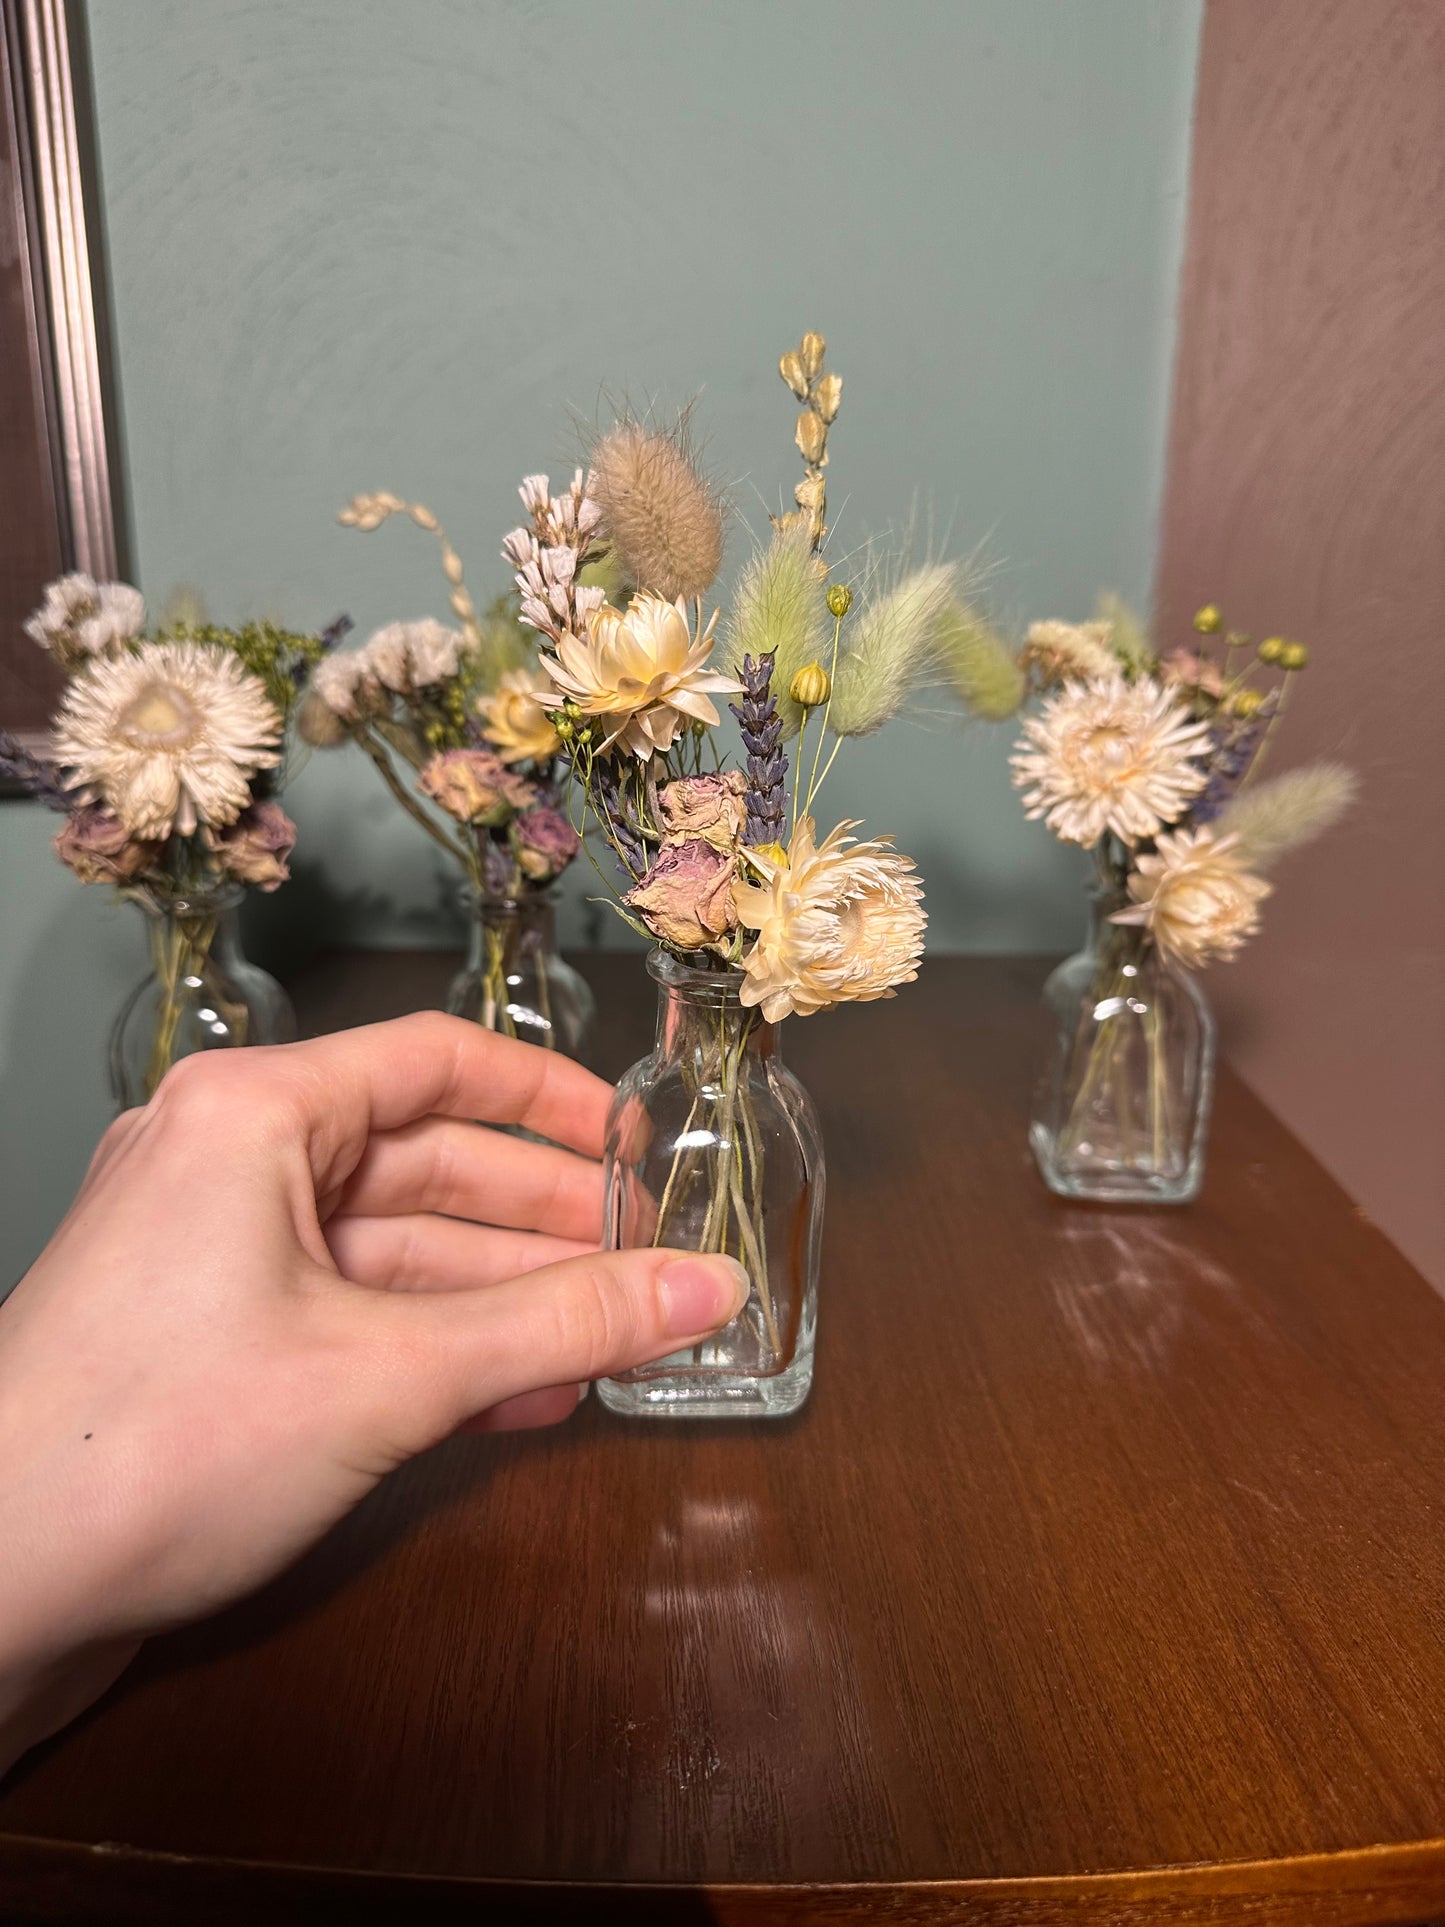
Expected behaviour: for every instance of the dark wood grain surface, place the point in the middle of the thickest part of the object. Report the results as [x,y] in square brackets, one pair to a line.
[1101,1580]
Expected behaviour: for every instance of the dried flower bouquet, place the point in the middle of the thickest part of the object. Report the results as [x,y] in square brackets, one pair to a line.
[1154,765]
[452,721]
[166,762]
[757,917]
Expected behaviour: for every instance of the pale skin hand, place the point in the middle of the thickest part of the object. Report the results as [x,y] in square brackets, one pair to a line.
[293,1270]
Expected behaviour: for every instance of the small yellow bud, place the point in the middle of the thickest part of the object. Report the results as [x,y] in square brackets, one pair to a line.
[1244,702]
[1294,655]
[791,370]
[812,438]
[452,564]
[1272,649]
[810,687]
[772,853]
[827,396]
[811,350]
[1208,621]
[840,600]
[423,517]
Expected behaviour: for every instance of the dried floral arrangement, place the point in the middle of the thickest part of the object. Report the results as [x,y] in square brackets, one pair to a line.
[452,721]
[166,758]
[1154,765]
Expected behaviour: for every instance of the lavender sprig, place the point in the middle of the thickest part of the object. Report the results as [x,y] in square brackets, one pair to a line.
[1234,752]
[762,732]
[42,780]
[626,838]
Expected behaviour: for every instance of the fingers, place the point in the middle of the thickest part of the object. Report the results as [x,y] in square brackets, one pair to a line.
[461,1353]
[528,1411]
[418,1252]
[465,1171]
[383,1076]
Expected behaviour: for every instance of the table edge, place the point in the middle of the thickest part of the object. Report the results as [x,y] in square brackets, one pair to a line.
[1350,1887]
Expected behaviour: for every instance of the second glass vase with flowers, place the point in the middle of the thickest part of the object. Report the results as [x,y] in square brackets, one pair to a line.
[451,720]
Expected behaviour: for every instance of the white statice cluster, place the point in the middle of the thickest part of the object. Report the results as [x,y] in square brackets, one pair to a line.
[81,617]
[401,658]
[548,557]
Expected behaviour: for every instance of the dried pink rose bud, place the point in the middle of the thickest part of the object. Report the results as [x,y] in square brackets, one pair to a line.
[255,847]
[99,849]
[686,898]
[546,843]
[474,786]
[711,807]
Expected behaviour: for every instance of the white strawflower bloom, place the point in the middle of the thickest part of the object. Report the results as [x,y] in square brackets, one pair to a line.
[1110,755]
[170,735]
[336,678]
[1195,896]
[643,672]
[81,617]
[837,922]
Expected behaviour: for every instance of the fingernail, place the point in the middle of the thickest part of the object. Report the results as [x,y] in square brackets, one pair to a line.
[584,1386]
[702,1293]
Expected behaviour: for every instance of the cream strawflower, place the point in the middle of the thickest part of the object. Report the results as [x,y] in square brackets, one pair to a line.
[642,671]
[169,735]
[514,721]
[1110,755]
[838,922]
[1195,896]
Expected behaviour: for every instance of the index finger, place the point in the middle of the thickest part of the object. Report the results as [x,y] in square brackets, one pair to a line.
[381,1076]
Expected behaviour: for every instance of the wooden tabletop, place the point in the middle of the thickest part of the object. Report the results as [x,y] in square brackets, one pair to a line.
[1101,1580]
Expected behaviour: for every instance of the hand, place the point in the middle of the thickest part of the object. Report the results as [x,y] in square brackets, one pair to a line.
[291,1271]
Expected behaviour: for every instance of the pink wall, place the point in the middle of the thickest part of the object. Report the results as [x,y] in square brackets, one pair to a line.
[1306,495]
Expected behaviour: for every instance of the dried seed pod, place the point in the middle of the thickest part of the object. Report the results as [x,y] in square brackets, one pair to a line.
[452,565]
[812,438]
[791,370]
[423,516]
[809,493]
[811,686]
[812,349]
[463,605]
[827,396]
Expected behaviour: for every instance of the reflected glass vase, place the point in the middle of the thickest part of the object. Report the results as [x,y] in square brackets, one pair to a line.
[713,1145]
[199,994]
[1121,1113]
[513,981]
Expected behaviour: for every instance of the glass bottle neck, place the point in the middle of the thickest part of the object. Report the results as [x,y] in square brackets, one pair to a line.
[702,1008]
[185,932]
[511,925]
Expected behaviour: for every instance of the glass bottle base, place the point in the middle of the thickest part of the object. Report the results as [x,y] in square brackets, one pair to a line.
[1117,1184]
[708,1395]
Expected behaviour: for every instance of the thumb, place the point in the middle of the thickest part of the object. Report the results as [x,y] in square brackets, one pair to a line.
[584,1318]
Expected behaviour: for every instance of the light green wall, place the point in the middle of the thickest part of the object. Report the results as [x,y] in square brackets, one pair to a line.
[358,245]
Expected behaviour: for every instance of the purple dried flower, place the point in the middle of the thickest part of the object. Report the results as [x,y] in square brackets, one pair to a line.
[1229,763]
[762,732]
[42,780]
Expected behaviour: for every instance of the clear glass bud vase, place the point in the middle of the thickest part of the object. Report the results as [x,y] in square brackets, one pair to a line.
[200,994]
[1121,1113]
[714,1146]
[513,980]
